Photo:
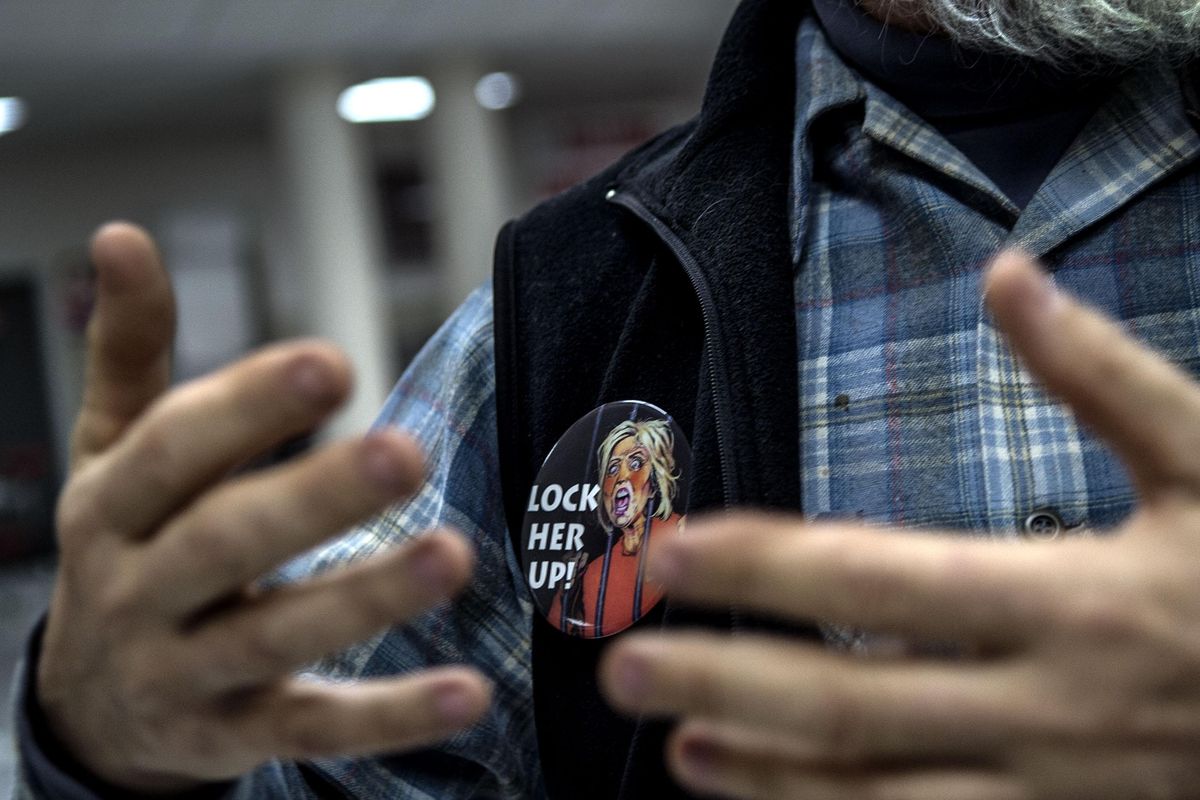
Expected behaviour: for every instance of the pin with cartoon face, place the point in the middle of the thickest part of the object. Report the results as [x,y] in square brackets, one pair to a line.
[613,488]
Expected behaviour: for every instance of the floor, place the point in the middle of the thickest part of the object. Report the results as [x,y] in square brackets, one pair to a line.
[24,593]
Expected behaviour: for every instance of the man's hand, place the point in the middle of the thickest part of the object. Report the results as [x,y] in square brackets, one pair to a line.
[163,665]
[1081,673]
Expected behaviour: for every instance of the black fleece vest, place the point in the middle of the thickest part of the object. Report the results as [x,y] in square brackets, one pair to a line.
[668,279]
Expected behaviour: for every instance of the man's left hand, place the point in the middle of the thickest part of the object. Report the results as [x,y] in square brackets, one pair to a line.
[1078,666]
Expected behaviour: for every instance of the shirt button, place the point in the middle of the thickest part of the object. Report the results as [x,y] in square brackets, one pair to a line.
[1043,525]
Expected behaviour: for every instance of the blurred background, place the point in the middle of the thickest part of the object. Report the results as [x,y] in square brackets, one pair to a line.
[309,167]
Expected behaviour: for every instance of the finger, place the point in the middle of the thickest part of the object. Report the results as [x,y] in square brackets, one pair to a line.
[129,337]
[198,432]
[285,628]
[842,709]
[713,760]
[1129,395]
[240,530]
[306,719]
[921,584]
[1114,772]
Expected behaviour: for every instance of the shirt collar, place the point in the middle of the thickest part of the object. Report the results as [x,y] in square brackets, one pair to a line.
[891,123]
[1140,136]
[823,83]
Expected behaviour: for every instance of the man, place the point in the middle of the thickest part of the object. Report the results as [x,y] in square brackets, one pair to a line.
[813,251]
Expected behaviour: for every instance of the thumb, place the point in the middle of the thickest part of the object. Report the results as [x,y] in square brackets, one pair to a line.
[1145,407]
[129,337]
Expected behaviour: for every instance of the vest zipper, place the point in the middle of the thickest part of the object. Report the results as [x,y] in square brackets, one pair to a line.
[717,373]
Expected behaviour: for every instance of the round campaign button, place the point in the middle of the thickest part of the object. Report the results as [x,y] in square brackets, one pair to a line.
[614,487]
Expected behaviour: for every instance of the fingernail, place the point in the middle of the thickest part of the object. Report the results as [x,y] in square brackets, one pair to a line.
[632,675]
[1039,295]
[311,381]
[384,465]
[699,757]
[667,566]
[433,571]
[455,704]
[1044,294]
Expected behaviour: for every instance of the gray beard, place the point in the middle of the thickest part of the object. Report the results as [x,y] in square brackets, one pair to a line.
[1074,35]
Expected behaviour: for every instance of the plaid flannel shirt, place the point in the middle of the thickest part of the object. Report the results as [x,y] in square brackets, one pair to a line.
[447,399]
[913,411]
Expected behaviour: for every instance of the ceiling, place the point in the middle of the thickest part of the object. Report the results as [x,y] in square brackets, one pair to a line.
[89,65]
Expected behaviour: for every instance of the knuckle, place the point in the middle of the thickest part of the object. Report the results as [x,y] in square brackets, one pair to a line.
[308,741]
[145,690]
[1106,718]
[122,597]
[94,428]
[82,510]
[377,599]
[193,739]
[702,692]
[303,732]
[1105,618]
[1086,715]
[152,735]
[739,573]
[76,510]
[211,544]
[159,461]
[258,650]
[73,518]
[183,736]
[875,588]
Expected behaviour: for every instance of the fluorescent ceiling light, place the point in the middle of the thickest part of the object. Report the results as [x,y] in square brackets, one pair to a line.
[387,100]
[12,114]
[498,90]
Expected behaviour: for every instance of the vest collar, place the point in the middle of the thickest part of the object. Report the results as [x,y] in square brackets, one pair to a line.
[723,193]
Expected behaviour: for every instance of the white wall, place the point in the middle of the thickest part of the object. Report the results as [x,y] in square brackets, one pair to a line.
[57,192]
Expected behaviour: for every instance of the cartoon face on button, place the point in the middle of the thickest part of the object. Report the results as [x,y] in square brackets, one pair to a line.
[636,463]
[626,482]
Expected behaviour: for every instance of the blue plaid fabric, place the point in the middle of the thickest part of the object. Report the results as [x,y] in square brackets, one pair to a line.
[913,410]
[447,399]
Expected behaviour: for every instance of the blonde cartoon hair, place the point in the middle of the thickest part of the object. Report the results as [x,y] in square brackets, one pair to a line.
[656,436]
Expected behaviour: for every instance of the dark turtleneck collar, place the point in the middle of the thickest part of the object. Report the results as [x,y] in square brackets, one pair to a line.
[1011,116]
[932,75]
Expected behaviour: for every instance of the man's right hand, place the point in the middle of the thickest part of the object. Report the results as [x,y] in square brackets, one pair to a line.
[163,664]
